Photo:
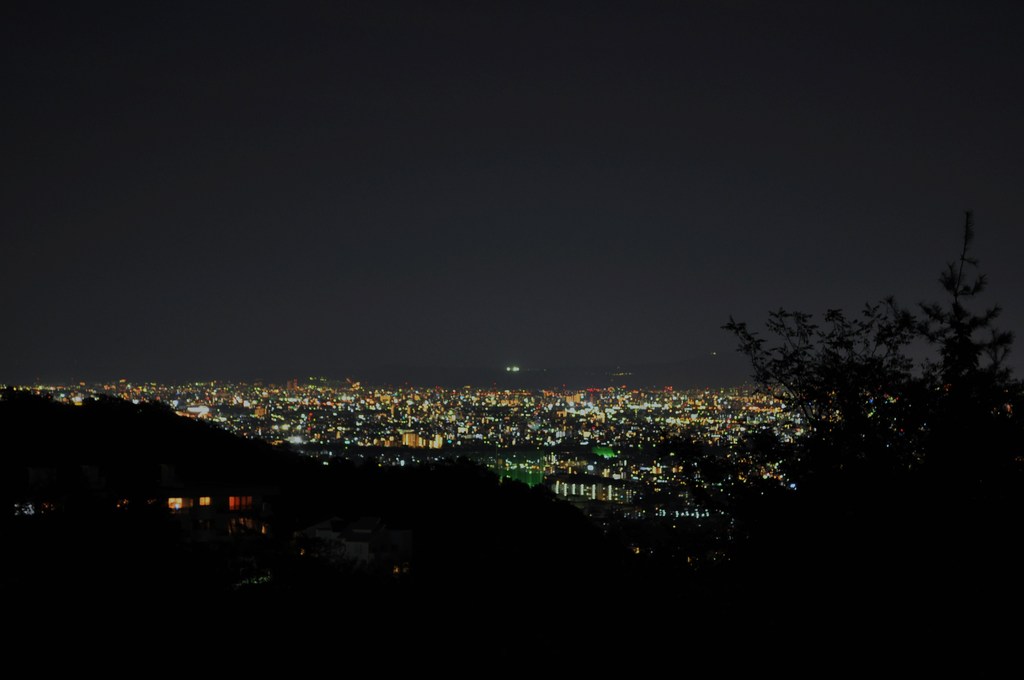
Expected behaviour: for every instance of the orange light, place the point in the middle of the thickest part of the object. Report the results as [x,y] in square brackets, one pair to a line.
[239,503]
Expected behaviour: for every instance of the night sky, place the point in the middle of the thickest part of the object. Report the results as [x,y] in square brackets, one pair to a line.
[262,190]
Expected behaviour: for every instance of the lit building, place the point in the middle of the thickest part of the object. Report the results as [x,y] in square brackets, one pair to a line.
[591,488]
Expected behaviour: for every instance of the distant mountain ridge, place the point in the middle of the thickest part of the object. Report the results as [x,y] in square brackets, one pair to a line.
[706,371]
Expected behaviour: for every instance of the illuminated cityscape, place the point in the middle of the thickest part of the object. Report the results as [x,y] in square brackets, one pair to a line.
[340,416]
[621,452]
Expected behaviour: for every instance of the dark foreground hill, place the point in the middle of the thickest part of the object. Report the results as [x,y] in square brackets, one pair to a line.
[114,501]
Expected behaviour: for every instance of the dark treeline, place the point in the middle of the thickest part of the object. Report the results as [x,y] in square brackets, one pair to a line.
[908,479]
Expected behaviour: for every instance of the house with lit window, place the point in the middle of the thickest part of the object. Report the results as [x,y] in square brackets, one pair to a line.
[210,514]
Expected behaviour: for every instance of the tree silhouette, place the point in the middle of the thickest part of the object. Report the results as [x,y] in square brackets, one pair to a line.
[853,385]
[908,471]
[971,350]
[846,381]
[974,432]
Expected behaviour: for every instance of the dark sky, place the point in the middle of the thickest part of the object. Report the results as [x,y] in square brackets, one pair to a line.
[263,190]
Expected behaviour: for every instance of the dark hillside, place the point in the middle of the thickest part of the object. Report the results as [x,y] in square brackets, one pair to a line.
[91,487]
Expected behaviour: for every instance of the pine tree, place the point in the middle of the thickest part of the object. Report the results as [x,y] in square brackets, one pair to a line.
[973,432]
[972,351]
